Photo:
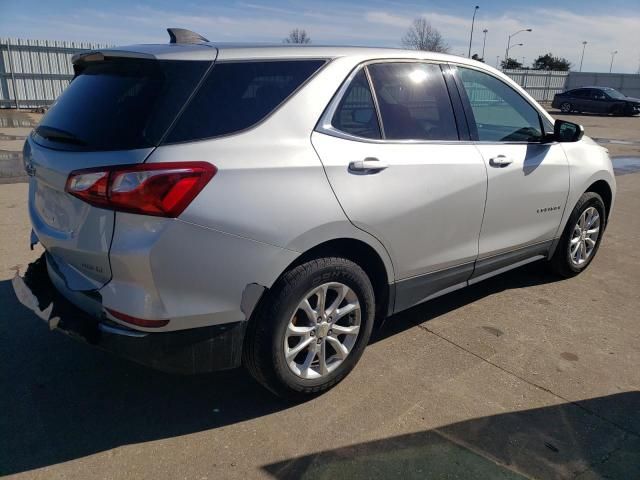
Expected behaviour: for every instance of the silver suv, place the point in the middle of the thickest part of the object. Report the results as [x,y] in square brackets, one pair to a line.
[205,206]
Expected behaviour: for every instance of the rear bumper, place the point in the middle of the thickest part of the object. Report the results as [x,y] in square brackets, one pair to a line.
[195,350]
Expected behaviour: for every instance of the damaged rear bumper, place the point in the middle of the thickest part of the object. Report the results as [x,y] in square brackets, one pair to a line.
[196,350]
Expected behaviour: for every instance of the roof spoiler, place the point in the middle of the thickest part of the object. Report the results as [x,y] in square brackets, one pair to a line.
[182,35]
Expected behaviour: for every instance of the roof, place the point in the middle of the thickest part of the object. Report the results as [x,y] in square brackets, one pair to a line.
[243,51]
[597,87]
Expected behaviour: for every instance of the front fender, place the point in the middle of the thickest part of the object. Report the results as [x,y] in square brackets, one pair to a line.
[588,164]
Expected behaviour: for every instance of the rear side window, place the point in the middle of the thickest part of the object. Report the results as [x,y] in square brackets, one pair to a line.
[356,113]
[414,101]
[119,104]
[237,95]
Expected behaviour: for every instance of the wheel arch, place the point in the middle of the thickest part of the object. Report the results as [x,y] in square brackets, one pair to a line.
[378,269]
[602,188]
[367,258]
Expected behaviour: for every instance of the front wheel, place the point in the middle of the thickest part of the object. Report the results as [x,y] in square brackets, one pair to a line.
[565,107]
[312,328]
[581,237]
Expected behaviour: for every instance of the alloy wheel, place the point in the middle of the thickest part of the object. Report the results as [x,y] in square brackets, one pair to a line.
[584,237]
[322,331]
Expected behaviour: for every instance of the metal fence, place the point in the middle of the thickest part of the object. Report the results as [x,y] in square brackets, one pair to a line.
[540,84]
[627,83]
[34,72]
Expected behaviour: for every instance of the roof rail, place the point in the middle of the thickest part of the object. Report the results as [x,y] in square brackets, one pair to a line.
[182,35]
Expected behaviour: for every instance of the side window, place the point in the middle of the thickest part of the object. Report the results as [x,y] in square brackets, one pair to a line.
[500,113]
[356,113]
[598,95]
[237,95]
[414,101]
[582,93]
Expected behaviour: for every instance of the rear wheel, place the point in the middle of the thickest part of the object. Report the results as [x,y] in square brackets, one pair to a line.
[581,237]
[312,329]
[566,107]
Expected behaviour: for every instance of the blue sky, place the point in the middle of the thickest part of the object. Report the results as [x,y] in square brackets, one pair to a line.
[558,27]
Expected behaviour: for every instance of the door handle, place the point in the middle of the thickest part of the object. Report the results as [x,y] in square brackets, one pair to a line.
[500,161]
[368,165]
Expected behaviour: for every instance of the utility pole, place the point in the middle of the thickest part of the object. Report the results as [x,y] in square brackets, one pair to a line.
[584,45]
[484,42]
[473,20]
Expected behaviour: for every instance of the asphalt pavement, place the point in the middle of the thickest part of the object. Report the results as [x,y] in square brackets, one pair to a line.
[521,376]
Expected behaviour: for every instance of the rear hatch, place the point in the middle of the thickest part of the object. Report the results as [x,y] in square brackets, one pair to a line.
[115,112]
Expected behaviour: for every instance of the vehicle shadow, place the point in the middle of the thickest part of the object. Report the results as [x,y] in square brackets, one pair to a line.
[556,442]
[526,276]
[63,400]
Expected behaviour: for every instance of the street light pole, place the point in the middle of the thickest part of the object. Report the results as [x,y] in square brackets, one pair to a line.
[473,20]
[584,45]
[484,42]
[506,53]
[613,54]
[506,59]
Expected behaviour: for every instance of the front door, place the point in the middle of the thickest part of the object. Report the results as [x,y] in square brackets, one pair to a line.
[401,174]
[528,178]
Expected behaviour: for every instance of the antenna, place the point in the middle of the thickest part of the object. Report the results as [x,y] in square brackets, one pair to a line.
[182,35]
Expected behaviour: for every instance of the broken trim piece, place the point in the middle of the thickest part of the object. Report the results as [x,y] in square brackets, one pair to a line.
[251,295]
[28,299]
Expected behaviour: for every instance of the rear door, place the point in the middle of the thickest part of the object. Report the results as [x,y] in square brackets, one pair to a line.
[528,178]
[401,173]
[115,111]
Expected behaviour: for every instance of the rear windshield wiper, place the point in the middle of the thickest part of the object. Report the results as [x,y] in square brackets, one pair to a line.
[57,135]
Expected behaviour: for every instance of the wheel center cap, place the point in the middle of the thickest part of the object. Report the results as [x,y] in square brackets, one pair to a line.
[322,330]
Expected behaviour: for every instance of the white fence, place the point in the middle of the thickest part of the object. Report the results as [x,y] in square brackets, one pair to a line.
[540,84]
[34,72]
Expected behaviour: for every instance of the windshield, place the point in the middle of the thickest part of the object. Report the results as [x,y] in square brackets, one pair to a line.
[119,104]
[614,93]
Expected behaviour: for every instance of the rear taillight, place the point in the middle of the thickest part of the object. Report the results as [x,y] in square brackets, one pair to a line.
[160,189]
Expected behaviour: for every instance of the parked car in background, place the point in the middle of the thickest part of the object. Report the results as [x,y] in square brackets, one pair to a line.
[596,100]
[204,206]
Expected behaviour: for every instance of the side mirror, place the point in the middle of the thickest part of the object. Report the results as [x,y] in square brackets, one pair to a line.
[564,131]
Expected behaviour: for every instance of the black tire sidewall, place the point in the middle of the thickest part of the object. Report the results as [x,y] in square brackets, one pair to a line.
[589,199]
[283,307]
[562,105]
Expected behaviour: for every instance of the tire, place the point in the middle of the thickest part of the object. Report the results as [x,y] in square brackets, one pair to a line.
[629,111]
[266,343]
[566,107]
[564,261]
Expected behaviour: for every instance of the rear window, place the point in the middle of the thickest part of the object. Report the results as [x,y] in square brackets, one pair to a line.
[120,104]
[237,95]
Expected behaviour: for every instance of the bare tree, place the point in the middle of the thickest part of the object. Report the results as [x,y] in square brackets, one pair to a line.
[422,36]
[298,35]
